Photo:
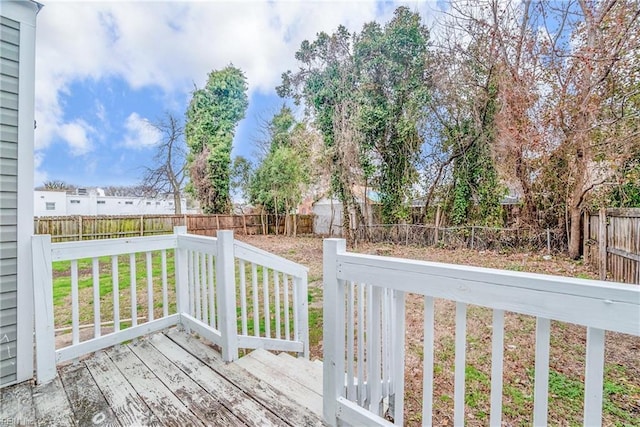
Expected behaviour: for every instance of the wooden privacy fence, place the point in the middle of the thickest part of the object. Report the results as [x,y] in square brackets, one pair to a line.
[612,243]
[72,228]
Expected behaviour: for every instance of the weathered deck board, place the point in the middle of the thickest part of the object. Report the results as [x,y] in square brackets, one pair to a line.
[16,403]
[192,395]
[128,407]
[168,378]
[291,413]
[51,405]
[267,369]
[230,396]
[87,401]
[164,404]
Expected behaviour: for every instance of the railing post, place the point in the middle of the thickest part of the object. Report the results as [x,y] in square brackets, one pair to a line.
[43,306]
[333,331]
[181,275]
[226,295]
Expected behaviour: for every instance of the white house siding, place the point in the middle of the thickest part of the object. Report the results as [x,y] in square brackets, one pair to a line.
[17,65]
[59,203]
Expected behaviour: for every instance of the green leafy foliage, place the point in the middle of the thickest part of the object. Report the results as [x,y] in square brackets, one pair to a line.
[212,117]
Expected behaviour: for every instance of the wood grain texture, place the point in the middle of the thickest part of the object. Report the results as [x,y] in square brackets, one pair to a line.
[87,402]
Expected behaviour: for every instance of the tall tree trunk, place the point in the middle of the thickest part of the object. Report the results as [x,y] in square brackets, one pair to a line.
[177,202]
[575,215]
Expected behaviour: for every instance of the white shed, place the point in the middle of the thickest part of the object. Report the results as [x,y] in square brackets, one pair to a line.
[17,69]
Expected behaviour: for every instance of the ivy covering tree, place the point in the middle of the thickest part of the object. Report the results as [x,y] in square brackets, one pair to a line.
[212,117]
[366,93]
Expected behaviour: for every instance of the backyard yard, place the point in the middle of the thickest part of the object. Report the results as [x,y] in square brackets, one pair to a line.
[622,362]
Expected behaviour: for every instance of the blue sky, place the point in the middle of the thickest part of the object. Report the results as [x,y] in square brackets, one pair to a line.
[103,69]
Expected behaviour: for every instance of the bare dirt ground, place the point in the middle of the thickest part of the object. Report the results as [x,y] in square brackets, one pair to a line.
[622,359]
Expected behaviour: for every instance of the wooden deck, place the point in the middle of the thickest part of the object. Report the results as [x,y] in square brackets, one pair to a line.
[168,378]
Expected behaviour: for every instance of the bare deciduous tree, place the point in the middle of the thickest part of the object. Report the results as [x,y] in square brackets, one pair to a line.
[167,173]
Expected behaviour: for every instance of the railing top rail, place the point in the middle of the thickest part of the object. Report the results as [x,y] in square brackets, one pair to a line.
[250,253]
[204,244]
[605,305]
[66,251]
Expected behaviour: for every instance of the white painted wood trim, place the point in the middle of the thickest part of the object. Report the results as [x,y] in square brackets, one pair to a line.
[149,269]
[333,329]
[243,297]
[205,331]
[43,304]
[91,346]
[266,308]
[256,307]
[276,294]
[203,244]
[165,285]
[350,375]
[258,256]
[301,311]
[213,322]
[354,415]
[610,306]
[398,357]
[287,306]
[427,366]
[75,304]
[95,267]
[226,281]
[541,384]
[460,363]
[247,341]
[594,375]
[67,251]
[115,281]
[374,379]
[497,362]
[25,13]
[133,289]
[181,274]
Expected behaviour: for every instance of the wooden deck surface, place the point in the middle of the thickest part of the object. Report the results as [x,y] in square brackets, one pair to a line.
[168,379]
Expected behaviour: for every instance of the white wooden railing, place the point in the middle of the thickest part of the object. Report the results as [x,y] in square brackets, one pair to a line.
[205,292]
[364,331]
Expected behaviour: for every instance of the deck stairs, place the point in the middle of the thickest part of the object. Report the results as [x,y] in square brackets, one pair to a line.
[297,378]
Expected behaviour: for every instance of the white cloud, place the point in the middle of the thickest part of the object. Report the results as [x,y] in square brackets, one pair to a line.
[76,135]
[140,133]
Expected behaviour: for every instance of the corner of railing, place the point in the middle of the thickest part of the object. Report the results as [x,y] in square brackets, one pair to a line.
[182,278]
[226,280]
[333,329]
[43,306]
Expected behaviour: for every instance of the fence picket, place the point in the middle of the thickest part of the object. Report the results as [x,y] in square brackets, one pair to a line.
[256,308]
[149,268]
[265,296]
[276,293]
[243,297]
[165,291]
[427,364]
[350,377]
[594,374]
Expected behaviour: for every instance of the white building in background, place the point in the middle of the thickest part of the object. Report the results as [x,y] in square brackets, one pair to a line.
[94,202]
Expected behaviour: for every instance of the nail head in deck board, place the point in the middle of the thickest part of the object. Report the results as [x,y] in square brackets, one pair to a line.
[87,401]
[291,413]
[52,405]
[229,395]
[164,404]
[16,404]
[129,408]
[190,393]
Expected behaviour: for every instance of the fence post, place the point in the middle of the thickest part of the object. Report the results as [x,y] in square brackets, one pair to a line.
[548,241]
[602,243]
[333,329]
[43,306]
[182,275]
[79,227]
[586,231]
[226,284]
[473,236]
